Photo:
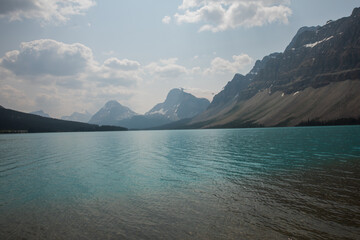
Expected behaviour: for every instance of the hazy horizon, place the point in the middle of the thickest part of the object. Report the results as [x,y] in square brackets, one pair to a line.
[74,56]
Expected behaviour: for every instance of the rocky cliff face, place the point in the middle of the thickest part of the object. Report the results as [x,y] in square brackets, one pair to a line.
[317,57]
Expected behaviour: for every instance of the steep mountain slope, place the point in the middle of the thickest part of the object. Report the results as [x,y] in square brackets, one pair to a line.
[41,113]
[111,114]
[315,78]
[14,121]
[78,117]
[177,105]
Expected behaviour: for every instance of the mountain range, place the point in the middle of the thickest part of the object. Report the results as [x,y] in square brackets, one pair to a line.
[177,105]
[316,80]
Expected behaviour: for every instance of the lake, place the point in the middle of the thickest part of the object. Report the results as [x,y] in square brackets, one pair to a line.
[264,183]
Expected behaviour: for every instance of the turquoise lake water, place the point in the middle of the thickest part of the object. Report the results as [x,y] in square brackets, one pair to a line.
[265,183]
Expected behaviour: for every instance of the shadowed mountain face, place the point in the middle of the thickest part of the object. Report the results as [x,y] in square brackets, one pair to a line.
[111,114]
[177,105]
[316,78]
[40,113]
[78,117]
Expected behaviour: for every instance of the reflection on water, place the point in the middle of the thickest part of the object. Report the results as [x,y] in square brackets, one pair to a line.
[280,183]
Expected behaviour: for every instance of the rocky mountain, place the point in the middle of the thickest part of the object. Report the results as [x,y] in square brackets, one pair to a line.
[78,117]
[41,113]
[12,121]
[177,105]
[111,114]
[316,79]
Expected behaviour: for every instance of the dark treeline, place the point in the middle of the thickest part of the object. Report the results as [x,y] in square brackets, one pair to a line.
[341,121]
[14,121]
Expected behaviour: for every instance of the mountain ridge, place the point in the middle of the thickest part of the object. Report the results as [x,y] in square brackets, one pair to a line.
[318,59]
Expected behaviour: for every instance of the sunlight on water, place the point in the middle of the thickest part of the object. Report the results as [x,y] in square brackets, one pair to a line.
[278,183]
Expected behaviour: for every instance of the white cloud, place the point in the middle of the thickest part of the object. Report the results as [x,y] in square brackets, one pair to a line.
[166,68]
[117,78]
[219,65]
[67,65]
[124,64]
[166,19]
[48,57]
[43,10]
[190,4]
[118,72]
[220,15]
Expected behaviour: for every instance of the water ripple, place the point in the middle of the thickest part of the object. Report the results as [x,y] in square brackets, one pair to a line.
[283,183]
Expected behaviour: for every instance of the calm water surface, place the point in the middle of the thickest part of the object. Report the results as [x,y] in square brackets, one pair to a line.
[278,183]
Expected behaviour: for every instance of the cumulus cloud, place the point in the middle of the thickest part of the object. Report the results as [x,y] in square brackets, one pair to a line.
[220,15]
[166,68]
[68,65]
[117,78]
[220,65]
[166,19]
[47,56]
[43,10]
[117,72]
[124,64]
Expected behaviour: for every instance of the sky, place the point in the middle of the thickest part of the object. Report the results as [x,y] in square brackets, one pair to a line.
[65,56]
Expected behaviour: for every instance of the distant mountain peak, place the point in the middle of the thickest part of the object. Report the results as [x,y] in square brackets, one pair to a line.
[111,113]
[179,104]
[112,103]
